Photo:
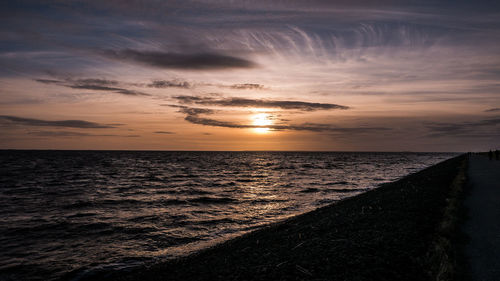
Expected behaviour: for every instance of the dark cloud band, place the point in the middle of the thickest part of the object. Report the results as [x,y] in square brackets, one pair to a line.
[242,102]
[66,134]
[312,127]
[106,88]
[247,86]
[193,61]
[62,123]
[191,110]
[485,128]
[496,109]
[48,81]
[169,84]
[193,116]
[95,84]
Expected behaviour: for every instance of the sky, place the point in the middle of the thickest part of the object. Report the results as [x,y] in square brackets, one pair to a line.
[311,75]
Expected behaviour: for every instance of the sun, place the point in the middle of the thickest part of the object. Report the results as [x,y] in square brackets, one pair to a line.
[262,120]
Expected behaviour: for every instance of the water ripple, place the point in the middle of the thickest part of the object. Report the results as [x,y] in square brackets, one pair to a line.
[74,213]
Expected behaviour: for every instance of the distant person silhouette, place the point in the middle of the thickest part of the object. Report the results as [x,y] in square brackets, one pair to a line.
[490,154]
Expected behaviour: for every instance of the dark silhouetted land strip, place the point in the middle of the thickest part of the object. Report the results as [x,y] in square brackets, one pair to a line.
[384,234]
[483,223]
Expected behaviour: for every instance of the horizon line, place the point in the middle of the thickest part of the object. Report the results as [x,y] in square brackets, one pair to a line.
[156,150]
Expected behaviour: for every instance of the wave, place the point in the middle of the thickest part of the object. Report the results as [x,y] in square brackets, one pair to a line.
[310,190]
[213,200]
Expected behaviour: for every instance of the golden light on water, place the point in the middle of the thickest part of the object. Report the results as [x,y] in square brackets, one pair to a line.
[261,119]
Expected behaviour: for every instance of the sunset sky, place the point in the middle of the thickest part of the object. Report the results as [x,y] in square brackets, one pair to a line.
[250,75]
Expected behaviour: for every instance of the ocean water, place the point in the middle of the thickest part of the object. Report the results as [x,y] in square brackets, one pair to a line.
[68,214]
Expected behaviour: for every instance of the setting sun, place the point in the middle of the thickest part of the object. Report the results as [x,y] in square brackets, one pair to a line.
[262,119]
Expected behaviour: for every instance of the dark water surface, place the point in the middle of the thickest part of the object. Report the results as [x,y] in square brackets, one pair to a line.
[73,213]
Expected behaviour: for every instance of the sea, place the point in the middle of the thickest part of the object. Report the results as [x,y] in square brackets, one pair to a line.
[68,215]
